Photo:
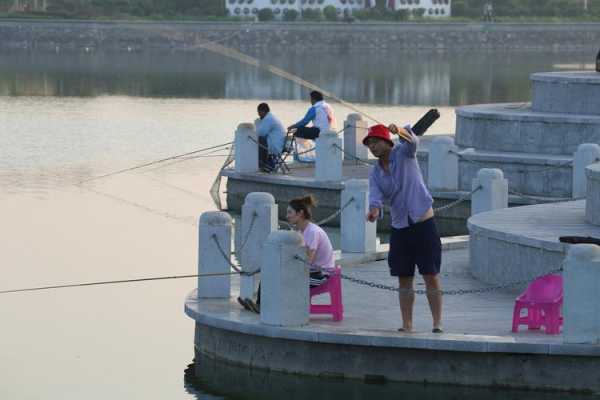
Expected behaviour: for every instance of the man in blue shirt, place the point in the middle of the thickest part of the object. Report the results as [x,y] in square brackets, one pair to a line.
[271,137]
[320,114]
[414,240]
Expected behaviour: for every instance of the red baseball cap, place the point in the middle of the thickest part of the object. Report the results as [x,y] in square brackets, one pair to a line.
[379,131]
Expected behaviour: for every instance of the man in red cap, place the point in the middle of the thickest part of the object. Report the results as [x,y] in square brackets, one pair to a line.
[414,240]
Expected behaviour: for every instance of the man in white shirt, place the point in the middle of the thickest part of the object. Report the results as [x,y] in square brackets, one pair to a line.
[321,116]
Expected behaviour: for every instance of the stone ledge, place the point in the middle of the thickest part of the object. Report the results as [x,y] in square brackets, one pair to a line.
[217,314]
[567,77]
[516,128]
[521,112]
[521,243]
[535,225]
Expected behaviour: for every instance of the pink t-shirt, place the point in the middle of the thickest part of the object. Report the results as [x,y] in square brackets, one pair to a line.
[316,239]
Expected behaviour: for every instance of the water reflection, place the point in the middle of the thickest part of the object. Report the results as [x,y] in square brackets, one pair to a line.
[423,78]
[207,378]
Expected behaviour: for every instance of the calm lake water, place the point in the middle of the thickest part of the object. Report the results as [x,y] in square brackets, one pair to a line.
[67,117]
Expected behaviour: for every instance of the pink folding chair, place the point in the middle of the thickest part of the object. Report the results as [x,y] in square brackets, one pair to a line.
[543,300]
[333,286]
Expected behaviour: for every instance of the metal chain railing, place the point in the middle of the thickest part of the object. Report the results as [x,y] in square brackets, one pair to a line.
[452,292]
[236,268]
[358,159]
[335,214]
[543,198]
[236,252]
[458,201]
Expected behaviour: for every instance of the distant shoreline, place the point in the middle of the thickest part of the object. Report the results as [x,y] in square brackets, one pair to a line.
[117,35]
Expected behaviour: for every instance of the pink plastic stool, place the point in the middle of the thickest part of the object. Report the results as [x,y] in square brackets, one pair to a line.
[542,299]
[333,286]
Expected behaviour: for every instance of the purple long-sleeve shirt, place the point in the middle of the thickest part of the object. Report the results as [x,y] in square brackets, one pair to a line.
[402,187]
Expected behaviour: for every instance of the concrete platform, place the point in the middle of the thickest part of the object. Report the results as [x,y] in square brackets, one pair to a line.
[477,347]
[518,243]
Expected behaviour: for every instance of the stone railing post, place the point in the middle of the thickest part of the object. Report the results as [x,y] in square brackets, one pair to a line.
[259,219]
[358,235]
[284,288]
[586,154]
[592,203]
[493,194]
[215,226]
[581,285]
[246,149]
[355,130]
[443,164]
[328,166]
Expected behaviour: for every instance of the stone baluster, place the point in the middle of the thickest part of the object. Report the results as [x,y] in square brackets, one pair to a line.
[592,202]
[246,149]
[493,194]
[358,235]
[284,287]
[581,284]
[214,249]
[355,130]
[259,219]
[443,164]
[328,166]
[586,154]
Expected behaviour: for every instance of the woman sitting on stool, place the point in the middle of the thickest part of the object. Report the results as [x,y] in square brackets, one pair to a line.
[319,253]
[319,250]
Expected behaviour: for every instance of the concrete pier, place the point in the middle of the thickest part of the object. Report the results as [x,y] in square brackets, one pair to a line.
[477,348]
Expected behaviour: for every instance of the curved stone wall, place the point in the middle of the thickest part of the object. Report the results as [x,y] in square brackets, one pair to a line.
[519,244]
[530,174]
[516,128]
[575,92]
[592,207]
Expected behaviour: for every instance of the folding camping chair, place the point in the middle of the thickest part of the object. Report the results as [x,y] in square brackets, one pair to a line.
[289,147]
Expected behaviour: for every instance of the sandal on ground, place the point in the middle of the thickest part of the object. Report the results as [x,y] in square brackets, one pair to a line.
[404,330]
[244,303]
[255,308]
[437,330]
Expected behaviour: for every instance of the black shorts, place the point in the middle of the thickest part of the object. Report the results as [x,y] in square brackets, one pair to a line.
[307,133]
[418,244]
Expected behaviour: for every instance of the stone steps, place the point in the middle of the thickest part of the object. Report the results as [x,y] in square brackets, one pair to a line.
[576,92]
[514,127]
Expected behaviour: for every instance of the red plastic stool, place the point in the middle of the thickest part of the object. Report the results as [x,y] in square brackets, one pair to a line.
[333,286]
[542,299]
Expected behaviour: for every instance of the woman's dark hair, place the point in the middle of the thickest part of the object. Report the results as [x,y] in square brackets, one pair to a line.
[316,96]
[264,107]
[304,204]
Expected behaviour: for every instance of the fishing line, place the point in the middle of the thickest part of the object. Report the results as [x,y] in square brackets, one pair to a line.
[246,59]
[72,285]
[152,163]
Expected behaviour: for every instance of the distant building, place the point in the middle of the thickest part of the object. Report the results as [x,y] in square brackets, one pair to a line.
[249,8]
[433,8]
[28,5]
